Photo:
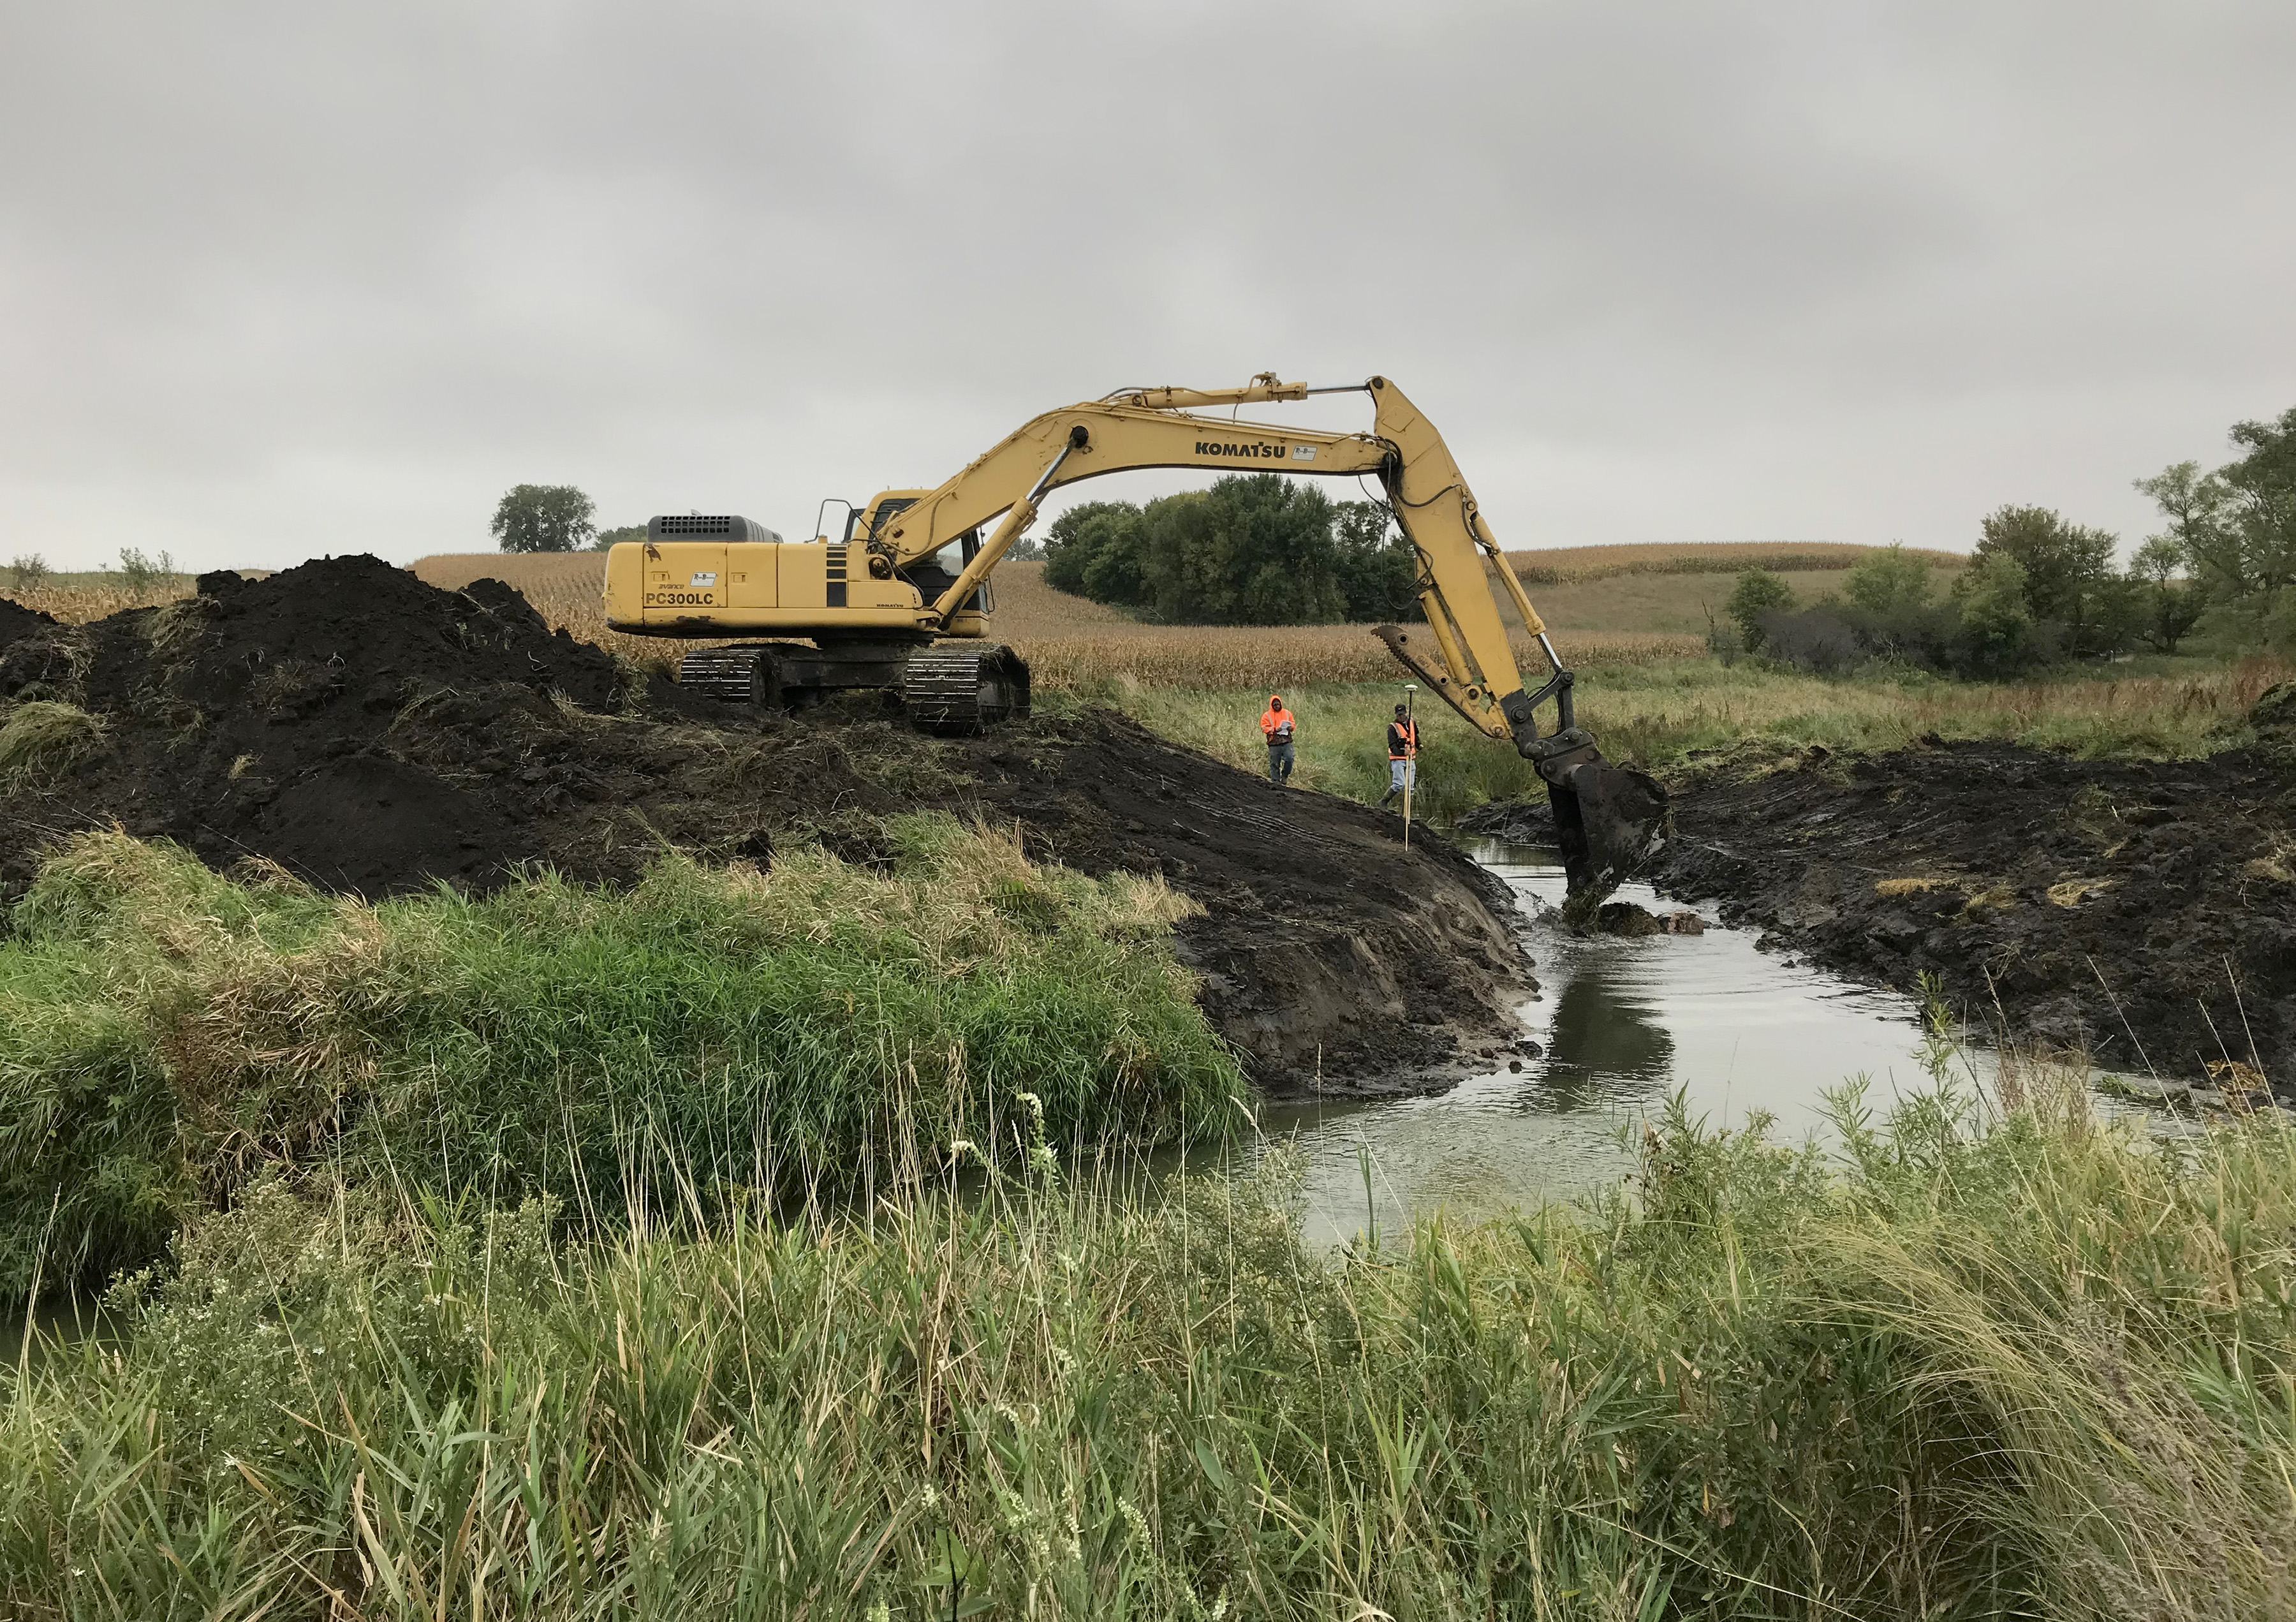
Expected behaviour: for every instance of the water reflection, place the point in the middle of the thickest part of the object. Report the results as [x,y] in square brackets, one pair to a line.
[1626,1023]
[1603,1035]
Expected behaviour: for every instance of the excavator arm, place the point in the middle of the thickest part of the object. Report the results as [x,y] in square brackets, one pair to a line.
[1609,819]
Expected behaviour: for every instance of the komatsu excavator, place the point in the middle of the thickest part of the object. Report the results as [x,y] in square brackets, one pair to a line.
[900,598]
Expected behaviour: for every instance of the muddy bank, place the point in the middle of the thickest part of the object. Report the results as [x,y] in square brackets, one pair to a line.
[374,734]
[2144,909]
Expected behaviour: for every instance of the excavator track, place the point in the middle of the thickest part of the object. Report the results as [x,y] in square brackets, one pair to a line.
[743,673]
[951,691]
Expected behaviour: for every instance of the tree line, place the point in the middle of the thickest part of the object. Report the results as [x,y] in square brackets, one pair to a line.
[2040,589]
[1255,549]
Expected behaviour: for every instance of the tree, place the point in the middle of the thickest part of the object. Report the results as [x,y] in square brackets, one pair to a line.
[1888,612]
[1073,539]
[1378,569]
[1255,549]
[1997,632]
[1889,582]
[1114,544]
[2068,572]
[1758,593]
[2168,604]
[607,540]
[2237,526]
[543,518]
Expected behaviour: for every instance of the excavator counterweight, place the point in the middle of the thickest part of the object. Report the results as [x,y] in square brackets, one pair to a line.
[901,598]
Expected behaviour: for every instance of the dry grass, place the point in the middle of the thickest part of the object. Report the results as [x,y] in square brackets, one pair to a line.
[43,737]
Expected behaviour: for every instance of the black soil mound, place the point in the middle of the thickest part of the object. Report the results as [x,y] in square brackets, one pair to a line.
[375,734]
[2146,910]
[17,620]
[1339,961]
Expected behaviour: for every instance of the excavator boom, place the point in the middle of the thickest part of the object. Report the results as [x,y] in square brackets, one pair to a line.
[890,587]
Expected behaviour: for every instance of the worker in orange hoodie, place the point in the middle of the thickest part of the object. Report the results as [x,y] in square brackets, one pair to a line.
[1276,724]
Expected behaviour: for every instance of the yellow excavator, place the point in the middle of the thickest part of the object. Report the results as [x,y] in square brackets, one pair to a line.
[901,598]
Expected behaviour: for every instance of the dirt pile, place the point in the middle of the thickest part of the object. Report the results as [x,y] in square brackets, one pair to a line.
[2146,909]
[1341,962]
[375,734]
[17,620]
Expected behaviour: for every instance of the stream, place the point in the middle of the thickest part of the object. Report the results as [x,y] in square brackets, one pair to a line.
[1625,1023]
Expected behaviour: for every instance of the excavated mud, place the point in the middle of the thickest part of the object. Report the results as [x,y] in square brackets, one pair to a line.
[374,734]
[2143,910]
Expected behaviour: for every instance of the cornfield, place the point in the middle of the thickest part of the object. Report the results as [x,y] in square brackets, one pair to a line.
[1069,641]
[76,604]
[1568,565]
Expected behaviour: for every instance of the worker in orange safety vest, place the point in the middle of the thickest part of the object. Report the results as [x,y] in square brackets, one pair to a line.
[1276,724]
[1402,754]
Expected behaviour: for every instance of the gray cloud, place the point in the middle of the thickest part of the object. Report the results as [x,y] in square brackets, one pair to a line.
[277,280]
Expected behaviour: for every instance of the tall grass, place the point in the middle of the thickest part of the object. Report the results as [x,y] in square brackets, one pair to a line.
[2042,1370]
[1658,714]
[166,1033]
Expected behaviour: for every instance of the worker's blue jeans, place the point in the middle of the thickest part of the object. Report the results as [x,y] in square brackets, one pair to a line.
[1401,774]
[1279,762]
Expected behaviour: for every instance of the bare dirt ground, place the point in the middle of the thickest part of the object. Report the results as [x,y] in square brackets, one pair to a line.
[374,734]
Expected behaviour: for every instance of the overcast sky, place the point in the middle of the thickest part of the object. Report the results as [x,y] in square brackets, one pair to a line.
[281,280]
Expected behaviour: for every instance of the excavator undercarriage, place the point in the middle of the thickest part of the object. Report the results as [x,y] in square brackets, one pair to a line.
[947,689]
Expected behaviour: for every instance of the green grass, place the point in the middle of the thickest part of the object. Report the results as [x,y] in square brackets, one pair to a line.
[2042,1370]
[1658,714]
[167,1034]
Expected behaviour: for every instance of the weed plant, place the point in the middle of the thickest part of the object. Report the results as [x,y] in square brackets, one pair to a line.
[2039,1368]
[166,1033]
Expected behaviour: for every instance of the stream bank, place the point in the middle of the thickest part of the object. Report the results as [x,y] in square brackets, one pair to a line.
[2144,911]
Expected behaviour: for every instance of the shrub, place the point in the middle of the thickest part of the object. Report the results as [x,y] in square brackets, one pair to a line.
[28,571]
[139,574]
[1817,639]
[1758,593]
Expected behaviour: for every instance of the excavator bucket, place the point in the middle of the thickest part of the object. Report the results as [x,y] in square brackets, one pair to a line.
[1609,822]
[1608,819]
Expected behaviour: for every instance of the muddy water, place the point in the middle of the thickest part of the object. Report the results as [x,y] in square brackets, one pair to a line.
[1624,1024]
